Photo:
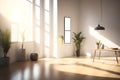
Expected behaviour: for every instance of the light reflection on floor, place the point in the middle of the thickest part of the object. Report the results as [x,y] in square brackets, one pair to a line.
[63,69]
[100,68]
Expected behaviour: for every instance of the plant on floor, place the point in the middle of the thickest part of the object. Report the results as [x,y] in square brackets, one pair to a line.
[23,38]
[5,39]
[78,38]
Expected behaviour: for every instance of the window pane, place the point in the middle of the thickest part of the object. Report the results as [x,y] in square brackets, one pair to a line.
[30,0]
[37,13]
[14,30]
[67,36]
[47,5]
[37,2]
[26,25]
[67,23]
[67,30]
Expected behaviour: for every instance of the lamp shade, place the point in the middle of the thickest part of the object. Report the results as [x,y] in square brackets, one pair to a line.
[99,27]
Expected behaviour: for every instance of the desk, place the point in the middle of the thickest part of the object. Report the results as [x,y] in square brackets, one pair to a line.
[100,50]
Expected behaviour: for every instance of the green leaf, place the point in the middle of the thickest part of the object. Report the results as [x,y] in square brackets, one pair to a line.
[77,39]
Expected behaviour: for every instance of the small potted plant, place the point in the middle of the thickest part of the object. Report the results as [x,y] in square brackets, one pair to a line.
[78,38]
[98,43]
[62,39]
[23,38]
[5,39]
[21,55]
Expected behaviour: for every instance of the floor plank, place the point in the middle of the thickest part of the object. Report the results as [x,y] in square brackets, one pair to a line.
[63,69]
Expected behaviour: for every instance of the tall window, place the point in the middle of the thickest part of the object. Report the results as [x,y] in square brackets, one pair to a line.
[37,25]
[37,19]
[22,21]
[67,29]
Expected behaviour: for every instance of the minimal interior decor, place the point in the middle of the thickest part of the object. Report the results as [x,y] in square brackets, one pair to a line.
[34,56]
[62,39]
[78,38]
[99,27]
[115,50]
[21,55]
[5,42]
[98,43]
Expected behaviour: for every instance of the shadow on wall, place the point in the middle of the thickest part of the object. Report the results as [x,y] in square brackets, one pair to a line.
[107,42]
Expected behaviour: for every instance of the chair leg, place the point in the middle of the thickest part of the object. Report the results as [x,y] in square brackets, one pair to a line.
[99,54]
[116,56]
[94,55]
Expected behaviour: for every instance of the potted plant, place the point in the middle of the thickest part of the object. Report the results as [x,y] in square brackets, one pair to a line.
[5,40]
[21,55]
[62,39]
[78,38]
[23,38]
[98,43]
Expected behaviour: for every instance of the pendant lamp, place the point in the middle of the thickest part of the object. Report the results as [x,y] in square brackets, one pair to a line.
[99,27]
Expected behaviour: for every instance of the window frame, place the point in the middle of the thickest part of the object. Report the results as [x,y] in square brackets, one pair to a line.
[67,30]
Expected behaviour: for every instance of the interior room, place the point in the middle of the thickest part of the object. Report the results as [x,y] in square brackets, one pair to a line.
[59,40]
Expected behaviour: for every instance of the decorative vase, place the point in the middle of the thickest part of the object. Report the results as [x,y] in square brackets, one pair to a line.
[98,46]
[102,46]
[34,56]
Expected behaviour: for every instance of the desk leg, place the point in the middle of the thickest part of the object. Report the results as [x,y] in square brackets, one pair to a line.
[94,55]
[99,54]
[116,56]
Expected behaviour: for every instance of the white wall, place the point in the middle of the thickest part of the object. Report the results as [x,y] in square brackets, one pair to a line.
[86,14]
[68,8]
[89,17]
[83,13]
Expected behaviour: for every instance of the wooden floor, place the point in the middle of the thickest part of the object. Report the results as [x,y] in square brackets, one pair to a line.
[63,69]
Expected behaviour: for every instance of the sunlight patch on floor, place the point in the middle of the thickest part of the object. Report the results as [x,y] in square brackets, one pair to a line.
[105,67]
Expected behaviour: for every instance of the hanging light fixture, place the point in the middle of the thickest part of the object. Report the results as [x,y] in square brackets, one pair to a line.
[99,27]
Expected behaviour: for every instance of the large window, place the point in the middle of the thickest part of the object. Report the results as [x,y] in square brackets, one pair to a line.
[22,21]
[67,29]
[37,19]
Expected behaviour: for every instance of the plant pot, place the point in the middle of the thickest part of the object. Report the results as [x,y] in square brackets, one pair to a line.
[4,61]
[77,53]
[98,46]
[21,55]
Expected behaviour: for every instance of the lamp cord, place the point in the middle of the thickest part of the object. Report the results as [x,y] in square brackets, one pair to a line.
[100,11]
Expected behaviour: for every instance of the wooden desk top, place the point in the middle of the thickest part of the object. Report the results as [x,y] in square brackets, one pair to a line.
[109,49]
[115,50]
